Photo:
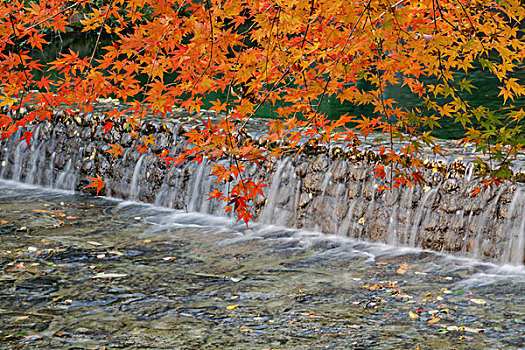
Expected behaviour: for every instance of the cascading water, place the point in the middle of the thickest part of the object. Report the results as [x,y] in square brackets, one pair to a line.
[514,227]
[332,195]
[268,212]
[134,188]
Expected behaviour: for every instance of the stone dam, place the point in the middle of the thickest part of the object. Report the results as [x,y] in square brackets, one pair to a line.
[322,192]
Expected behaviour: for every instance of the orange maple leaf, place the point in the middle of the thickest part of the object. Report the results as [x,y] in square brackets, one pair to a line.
[97,182]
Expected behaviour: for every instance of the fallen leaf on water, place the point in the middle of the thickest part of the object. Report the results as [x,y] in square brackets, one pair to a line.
[32,336]
[44,240]
[403,269]
[231,307]
[114,252]
[101,256]
[21,318]
[4,221]
[434,319]
[473,330]
[61,333]
[478,301]
[71,217]
[247,330]
[234,297]
[109,275]
[94,243]
[413,315]
[168,258]
[40,211]
[146,241]
[375,286]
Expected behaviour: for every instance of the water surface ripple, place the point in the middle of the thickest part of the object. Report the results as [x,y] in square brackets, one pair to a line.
[80,272]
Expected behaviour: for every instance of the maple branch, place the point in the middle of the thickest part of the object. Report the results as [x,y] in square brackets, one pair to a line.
[100,34]
[338,57]
[212,39]
[17,45]
[453,88]
[51,17]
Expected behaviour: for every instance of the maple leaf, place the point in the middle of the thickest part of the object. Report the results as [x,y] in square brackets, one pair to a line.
[96,182]
[380,171]
[116,150]
[142,149]
[44,82]
[36,40]
[218,106]
[107,127]
[27,137]
[215,194]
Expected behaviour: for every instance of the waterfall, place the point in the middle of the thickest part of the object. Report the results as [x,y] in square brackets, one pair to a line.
[391,234]
[195,194]
[134,188]
[268,212]
[66,179]
[332,195]
[515,227]
[17,163]
[420,215]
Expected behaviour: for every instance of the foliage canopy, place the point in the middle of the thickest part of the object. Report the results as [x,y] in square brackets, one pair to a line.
[287,54]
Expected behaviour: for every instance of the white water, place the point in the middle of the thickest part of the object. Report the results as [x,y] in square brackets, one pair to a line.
[404,219]
[421,214]
[271,198]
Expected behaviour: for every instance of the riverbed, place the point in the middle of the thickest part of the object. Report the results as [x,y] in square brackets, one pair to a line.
[83,272]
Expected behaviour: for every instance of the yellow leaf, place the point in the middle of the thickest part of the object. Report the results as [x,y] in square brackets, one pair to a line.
[478,301]
[231,307]
[413,315]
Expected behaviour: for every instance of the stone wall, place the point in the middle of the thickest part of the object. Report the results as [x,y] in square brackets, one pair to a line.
[329,192]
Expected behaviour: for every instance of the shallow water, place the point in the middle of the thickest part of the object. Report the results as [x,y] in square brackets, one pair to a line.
[81,272]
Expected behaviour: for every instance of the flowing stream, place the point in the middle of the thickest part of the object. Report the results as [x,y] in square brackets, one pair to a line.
[83,272]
